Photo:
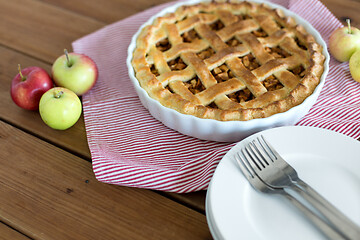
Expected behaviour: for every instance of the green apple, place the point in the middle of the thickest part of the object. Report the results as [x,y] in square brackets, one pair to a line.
[354,65]
[74,71]
[60,108]
[343,42]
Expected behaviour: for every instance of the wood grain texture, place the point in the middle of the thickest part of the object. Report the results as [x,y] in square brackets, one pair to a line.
[41,192]
[73,139]
[41,30]
[345,9]
[47,193]
[105,11]
[7,233]
[194,200]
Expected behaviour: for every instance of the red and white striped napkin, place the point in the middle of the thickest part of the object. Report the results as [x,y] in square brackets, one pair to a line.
[130,148]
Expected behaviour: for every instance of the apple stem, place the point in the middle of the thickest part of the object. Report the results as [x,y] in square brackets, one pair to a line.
[58,94]
[348,23]
[67,57]
[22,77]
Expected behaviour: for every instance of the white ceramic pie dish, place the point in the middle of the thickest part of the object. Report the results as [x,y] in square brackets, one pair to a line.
[225,131]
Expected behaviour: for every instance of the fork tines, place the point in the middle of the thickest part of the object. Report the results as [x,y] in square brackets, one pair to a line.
[244,164]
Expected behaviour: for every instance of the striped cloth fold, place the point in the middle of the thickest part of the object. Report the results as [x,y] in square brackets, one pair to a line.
[131,148]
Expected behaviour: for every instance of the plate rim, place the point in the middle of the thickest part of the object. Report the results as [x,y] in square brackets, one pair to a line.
[227,157]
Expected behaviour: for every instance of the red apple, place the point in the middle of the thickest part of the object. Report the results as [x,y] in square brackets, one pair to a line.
[76,72]
[28,86]
[343,42]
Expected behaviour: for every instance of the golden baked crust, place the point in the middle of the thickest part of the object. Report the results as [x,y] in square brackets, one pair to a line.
[227,61]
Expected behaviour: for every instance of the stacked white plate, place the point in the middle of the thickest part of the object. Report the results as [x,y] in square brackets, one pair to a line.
[328,161]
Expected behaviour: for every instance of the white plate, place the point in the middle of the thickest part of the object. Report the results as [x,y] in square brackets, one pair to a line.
[328,161]
[225,131]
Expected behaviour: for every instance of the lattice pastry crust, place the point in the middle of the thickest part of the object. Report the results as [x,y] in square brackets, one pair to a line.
[227,61]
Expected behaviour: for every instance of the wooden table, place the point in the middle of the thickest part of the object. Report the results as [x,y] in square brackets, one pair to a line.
[47,187]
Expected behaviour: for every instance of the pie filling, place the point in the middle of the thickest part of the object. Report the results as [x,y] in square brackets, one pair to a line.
[163,45]
[249,61]
[233,42]
[204,54]
[190,36]
[194,85]
[216,26]
[176,64]
[154,70]
[223,73]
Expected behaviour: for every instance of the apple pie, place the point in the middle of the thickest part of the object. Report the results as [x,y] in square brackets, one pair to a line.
[227,61]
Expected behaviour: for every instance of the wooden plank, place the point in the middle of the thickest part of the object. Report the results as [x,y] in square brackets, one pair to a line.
[33,34]
[7,233]
[345,9]
[195,200]
[113,10]
[43,30]
[40,29]
[107,11]
[73,139]
[47,193]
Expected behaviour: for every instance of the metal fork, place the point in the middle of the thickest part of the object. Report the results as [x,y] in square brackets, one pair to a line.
[259,185]
[276,172]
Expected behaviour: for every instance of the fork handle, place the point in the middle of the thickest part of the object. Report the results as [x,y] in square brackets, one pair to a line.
[328,231]
[348,228]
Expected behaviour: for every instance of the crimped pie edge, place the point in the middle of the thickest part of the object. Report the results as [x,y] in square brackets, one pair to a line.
[224,131]
[150,83]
